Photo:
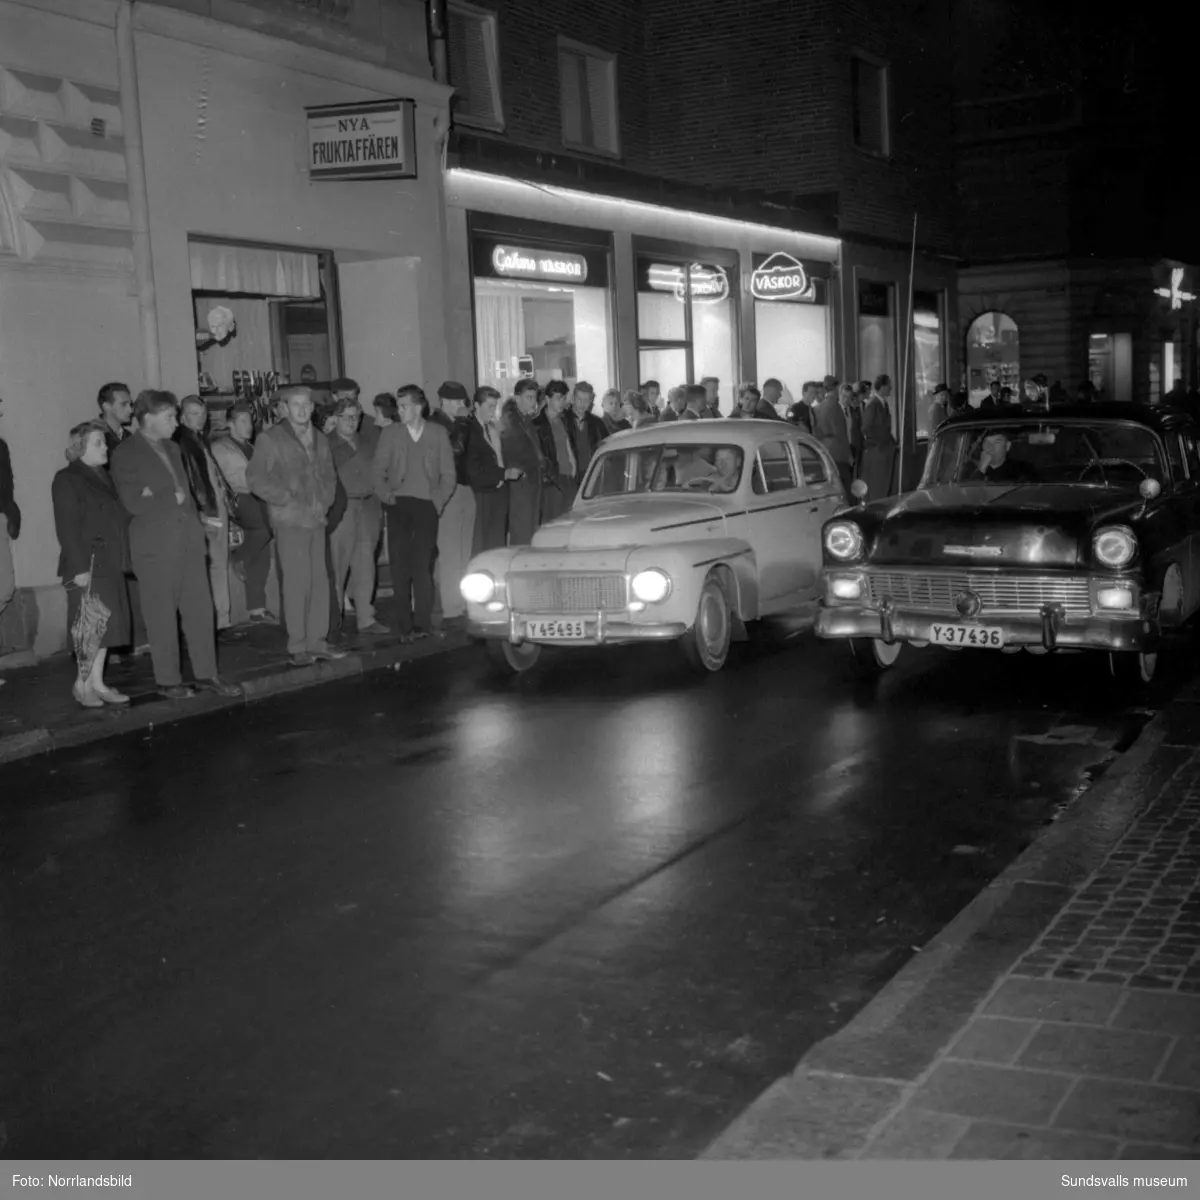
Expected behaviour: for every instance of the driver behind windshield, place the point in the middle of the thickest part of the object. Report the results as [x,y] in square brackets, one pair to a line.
[721,476]
[995,466]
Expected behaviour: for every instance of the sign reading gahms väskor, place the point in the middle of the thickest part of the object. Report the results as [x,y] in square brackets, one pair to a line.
[517,262]
[374,140]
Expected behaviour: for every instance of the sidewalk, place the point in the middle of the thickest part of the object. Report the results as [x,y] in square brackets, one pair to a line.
[1057,1017]
[38,714]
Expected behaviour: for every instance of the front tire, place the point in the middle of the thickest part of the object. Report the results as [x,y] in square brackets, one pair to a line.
[706,645]
[873,656]
[512,659]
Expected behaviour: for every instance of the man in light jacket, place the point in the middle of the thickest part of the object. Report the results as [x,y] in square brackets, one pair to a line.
[414,476]
[293,471]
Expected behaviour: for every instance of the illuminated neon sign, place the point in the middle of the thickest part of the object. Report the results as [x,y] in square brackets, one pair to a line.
[781,277]
[1175,293]
[515,262]
[708,284]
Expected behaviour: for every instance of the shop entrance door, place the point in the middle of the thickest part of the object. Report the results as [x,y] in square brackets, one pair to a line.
[381,326]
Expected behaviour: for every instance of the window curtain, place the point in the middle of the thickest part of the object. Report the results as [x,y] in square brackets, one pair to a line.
[255,270]
[500,332]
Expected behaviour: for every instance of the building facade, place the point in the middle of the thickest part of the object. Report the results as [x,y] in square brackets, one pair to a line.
[154,165]
[1062,158]
[655,144]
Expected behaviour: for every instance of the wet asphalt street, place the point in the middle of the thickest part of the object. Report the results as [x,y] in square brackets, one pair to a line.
[589,913]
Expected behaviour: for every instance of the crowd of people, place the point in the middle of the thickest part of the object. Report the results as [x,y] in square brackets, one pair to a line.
[156,516]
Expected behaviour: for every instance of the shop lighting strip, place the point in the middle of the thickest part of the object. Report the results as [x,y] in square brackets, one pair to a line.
[468,176]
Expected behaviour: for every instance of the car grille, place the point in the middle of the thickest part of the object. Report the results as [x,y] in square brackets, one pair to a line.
[549,592]
[997,593]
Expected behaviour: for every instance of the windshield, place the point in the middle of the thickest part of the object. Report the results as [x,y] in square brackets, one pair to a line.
[664,468]
[1101,454]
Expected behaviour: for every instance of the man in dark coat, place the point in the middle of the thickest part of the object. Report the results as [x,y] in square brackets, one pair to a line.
[522,450]
[167,546]
[587,430]
[10,529]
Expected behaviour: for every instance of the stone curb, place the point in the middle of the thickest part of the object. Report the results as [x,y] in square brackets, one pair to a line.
[847,1084]
[116,722]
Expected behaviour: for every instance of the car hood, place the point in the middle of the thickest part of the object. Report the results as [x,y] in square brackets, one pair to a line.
[994,524]
[628,521]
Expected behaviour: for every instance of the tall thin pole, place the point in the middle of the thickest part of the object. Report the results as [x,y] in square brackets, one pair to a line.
[908,336]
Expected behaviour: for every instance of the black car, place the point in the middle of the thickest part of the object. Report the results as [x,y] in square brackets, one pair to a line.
[1075,528]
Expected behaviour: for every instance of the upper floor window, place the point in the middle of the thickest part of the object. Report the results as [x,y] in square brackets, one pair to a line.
[588,86]
[474,66]
[869,83]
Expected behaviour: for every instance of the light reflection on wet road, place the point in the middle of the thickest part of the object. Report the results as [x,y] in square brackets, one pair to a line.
[433,914]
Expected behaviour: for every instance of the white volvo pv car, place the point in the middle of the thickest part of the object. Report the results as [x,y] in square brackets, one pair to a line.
[685,531]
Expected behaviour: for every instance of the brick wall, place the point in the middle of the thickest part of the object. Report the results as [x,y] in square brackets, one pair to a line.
[756,95]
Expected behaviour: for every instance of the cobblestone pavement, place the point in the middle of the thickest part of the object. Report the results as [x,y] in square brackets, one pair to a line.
[1067,1029]
[1090,1046]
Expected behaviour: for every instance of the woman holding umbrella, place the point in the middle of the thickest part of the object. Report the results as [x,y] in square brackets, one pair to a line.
[92,533]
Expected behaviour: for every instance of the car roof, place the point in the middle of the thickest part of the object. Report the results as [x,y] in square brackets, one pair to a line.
[1154,416]
[707,431]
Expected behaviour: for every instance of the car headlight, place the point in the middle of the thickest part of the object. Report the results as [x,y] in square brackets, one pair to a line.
[1114,546]
[846,587]
[478,587]
[651,586]
[843,540]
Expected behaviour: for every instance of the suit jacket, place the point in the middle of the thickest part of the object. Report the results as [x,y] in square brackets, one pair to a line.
[8,502]
[89,518]
[195,464]
[112,439]
[829,424]
[545,435]
[801,414]
[483,470]
[519,442]
[161,526]
[399,461]
[877,424]
[299,490]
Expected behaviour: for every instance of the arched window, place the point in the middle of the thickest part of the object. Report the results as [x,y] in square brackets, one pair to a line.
[993,352]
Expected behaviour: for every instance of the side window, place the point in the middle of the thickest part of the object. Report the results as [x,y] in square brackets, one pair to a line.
[778,473]
[1193,454]
[1175,454]
[812,465]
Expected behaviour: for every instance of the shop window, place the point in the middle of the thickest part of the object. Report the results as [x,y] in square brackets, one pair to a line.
[687,327]
[993,354]
[812,465]
[927,355]
[791,327]
[474,63]
[876,330]
[588,88]
[869,81]
[775,464]
[543,312]
[285,326]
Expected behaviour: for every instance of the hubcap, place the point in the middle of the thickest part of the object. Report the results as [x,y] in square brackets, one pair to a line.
[712,626]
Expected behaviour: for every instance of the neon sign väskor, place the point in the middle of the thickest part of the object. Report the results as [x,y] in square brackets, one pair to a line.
[520,263]
[781,277]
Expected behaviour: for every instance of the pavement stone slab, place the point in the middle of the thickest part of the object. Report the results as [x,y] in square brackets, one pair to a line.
[1087,1050]
[986,1091]
[917,1134]
[1132,1112]
[1158,1012]
[993,1039]
[1054,1000]
[1182,1068]
[814,1116]
[989,1140]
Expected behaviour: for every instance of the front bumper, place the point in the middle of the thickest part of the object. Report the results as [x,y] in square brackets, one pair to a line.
[601,629]
[1052,629]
